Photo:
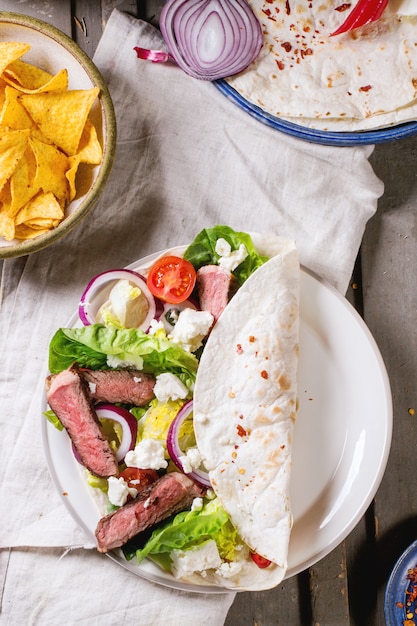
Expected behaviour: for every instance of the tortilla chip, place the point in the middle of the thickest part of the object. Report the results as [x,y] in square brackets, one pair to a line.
[61,116]
[13,114]
[22,182]
[11,51]
[42,210]
[89,152]
[89,149]
[12,147]
[71,174]
[51,165]
[45,134]
[7,226]
[2,93]
[25,232]
[31,79]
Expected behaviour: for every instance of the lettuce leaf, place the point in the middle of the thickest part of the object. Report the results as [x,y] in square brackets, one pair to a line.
[90,347]
[191,528]
[202,251]
[51,417]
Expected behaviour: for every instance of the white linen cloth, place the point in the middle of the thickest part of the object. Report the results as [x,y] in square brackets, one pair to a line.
[186,159]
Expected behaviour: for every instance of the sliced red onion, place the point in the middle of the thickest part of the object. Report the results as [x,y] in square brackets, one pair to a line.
[90,302]
[128,423]
[211,39]
[174,449]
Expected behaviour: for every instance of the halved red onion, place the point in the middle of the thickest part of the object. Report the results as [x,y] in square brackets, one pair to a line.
[89,304]
[174,449]
[127,421]
[211,39]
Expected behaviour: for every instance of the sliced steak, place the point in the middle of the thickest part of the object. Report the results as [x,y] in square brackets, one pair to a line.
[68,396]
[170,494]
[215,286]
[124,386]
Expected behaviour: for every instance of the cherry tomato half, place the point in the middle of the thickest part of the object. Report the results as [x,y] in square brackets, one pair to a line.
[139,478]
[171,279]
[259,560]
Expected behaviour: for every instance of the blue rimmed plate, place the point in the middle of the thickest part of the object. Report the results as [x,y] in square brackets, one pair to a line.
[381,135]
[396,608]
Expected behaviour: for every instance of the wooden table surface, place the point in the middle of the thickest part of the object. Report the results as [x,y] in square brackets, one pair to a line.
[347,586]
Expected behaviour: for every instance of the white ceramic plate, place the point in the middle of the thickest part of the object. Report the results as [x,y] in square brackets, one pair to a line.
[341,442]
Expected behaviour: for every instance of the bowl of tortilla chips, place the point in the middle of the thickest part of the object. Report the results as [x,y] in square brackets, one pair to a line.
[57,134]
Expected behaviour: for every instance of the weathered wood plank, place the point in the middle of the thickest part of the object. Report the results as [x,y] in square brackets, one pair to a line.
[56,13]
[280,606]
[134,7]
[87,25]
[389,261]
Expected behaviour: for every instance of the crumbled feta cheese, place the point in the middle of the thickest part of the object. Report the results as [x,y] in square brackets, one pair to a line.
[191,328]
[119,491]
[168,386]
[229,569]
[197,504]
[230,259]
[223,247]
[191,460]
[92,387]
[148,454]
[155,325]
[186,562]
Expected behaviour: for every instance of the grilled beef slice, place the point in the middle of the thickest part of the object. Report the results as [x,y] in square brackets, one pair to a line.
[172,493]
[124,386]
[215,286]
[68,396]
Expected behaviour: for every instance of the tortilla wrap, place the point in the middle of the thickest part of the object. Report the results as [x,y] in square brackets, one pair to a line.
[361,80]
[245,403]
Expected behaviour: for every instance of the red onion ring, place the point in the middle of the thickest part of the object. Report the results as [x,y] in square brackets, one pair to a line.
[175,451]
[211,39]
[128,423]
[88,308]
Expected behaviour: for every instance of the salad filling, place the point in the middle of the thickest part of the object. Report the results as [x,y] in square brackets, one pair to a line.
[182,492]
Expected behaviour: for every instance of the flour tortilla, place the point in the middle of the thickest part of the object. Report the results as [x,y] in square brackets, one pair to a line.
[362,80]
[245,402]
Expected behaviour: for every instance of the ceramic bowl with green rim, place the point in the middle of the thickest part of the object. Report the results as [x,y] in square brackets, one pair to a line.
[51,50]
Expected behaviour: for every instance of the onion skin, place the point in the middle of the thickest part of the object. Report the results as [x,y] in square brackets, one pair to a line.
[211,39]
[175,451]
